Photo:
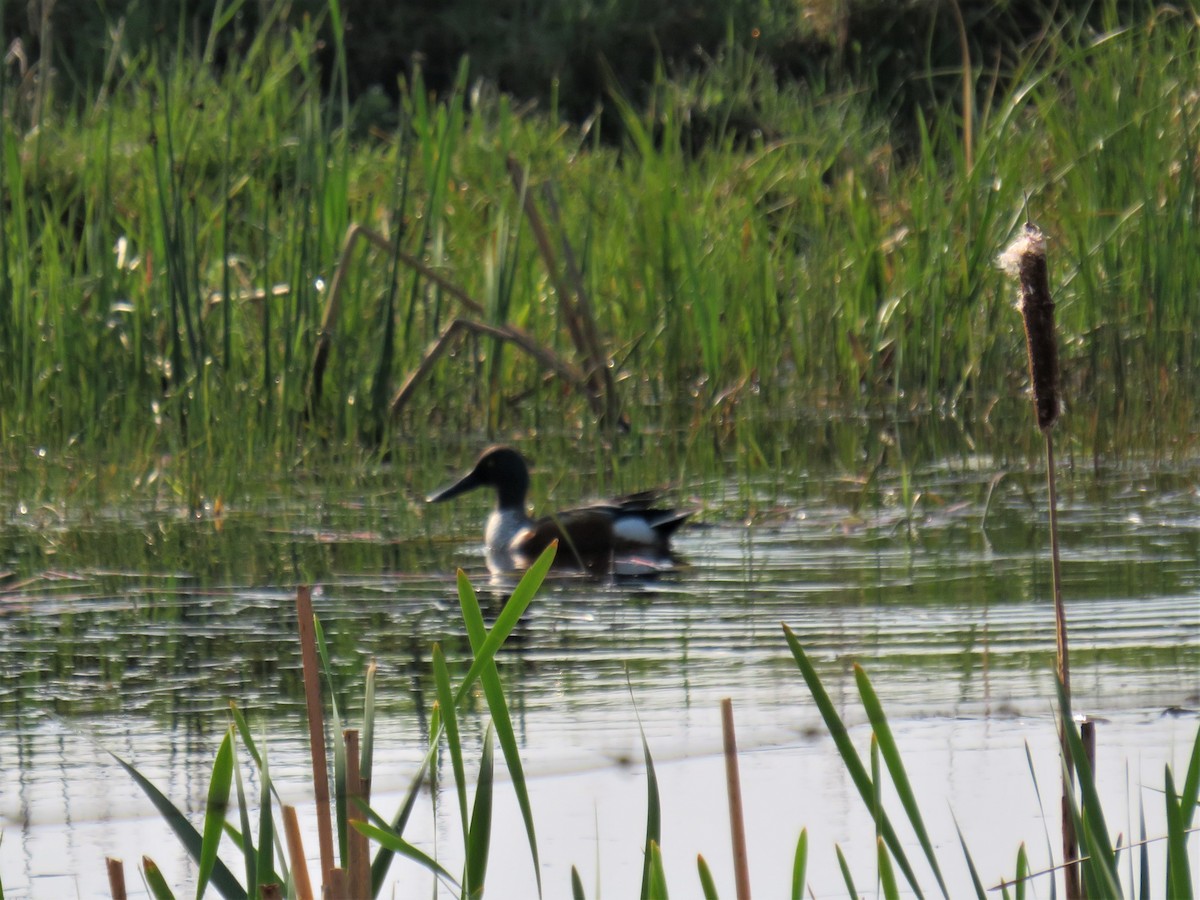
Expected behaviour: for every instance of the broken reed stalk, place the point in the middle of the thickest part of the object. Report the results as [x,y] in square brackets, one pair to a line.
[116,877]
[1025,258]
[295,844]
[333,305]
[544,355]
[358,851]
[316,724]
[578,318]
[733,781]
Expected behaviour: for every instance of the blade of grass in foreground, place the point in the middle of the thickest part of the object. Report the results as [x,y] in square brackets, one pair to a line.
[480,837]
[484,645]
[707,885]
[980,893]
[1022,872]
[653,815]
[800,865]
[1091,827]
[658,876]
[895,767]
[1037,792]
[490,641]
[1179,879]
[155,881]
[247,843]
[445,696]
[887,877]
[1143,855]
[224,880]
[383,859]
[851,891]
[214,812]
[850,758]
[576,886]
[395,844]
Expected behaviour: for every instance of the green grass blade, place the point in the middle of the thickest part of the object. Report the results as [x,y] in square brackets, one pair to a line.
[1037,792]
[576,886]
[383,858]
[1190,796]
[1022,872]
[851,891]
[480,838]
[895,767]
[247,842]
[850,759]
[1098,848]
[224,880]
[887,876]
[445,696]
[492,640]
[658,876]
[707,885]
[976,883]
[1143,891]
[215,811]
[396,844]
[1097,873]
[367,758]
[155,883]
[265,865]
[653,818]
[484,648]
[1179,878]
[800,865]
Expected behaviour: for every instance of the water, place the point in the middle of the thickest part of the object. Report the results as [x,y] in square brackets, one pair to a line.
[130,630]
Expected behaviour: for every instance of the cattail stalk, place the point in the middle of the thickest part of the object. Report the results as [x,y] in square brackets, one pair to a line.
[1025,258]
[733,781]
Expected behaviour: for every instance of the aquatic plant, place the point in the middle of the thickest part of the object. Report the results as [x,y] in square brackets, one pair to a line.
[351,873]
[169,248]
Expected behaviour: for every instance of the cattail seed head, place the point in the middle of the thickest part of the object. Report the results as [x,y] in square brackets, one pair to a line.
[1025,259]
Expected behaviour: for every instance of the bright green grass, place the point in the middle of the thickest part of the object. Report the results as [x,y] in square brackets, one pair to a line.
[841,267]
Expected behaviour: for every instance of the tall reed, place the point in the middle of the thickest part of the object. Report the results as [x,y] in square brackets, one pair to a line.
[1025,258]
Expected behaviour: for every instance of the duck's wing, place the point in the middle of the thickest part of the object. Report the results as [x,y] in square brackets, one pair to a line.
[585,537]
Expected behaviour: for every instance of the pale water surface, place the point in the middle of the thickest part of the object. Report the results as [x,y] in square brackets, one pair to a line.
[946,608]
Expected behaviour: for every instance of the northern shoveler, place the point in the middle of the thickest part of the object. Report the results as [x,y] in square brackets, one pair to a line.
[627,535]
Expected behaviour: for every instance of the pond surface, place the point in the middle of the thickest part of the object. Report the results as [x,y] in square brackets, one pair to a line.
[130,630]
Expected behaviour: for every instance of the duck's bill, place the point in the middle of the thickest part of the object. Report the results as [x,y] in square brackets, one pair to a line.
[464,484]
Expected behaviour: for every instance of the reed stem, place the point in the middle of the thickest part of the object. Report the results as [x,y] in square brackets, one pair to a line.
[1063,668]
[116,877]
[316,724]
[737,827]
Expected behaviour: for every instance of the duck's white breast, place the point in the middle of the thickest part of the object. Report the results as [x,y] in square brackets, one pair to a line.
[502,526]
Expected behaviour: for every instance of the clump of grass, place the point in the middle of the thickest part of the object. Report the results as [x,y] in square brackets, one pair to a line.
[350,873]
[809,257]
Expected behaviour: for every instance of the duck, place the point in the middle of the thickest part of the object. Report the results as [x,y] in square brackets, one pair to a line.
[628,535]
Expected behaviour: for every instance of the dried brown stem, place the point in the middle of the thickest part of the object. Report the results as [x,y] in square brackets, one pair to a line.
[737,826]
[295,844]
[333,306]
[359,853]
[316,724]
[576,312]
[116,877]
[445,340]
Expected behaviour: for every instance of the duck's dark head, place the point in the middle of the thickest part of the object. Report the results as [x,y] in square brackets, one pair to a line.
[502,468]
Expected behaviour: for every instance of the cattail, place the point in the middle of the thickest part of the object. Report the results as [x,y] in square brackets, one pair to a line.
[1025,258]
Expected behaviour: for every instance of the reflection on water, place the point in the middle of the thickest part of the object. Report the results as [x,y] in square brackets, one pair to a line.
[133,632]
